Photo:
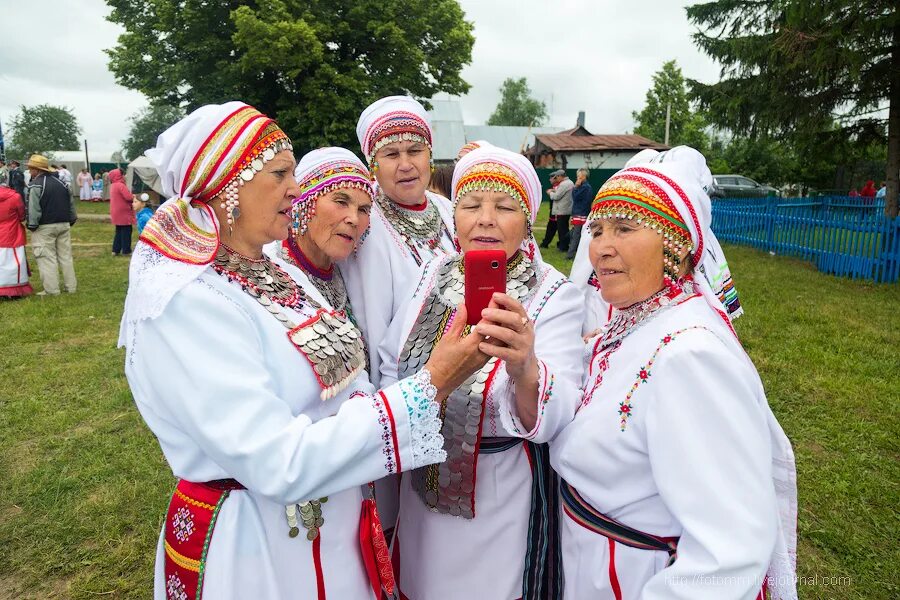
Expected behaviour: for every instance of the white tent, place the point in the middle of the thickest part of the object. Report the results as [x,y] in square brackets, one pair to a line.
[144,169]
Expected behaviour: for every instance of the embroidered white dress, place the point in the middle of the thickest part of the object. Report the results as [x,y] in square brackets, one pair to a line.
[380,275]
[445,557]
[229,396]
[674,437]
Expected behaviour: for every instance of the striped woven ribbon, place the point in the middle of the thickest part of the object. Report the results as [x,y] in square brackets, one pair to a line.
[542,578]
[593,520]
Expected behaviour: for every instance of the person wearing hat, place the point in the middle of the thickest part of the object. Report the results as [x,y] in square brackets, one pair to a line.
[255,385]
[561,196]
[51,213]
[481,523]
[677,480]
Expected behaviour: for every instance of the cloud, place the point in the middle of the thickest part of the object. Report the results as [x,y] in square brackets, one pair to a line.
[591,55]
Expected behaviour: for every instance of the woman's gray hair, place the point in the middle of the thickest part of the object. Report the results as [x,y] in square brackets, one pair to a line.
[587,172]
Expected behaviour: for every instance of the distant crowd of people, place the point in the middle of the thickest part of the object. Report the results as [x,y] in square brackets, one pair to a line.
[869,191]
[41,200]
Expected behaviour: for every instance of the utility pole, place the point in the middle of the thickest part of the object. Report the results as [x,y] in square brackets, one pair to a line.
[668,119]
[87,159]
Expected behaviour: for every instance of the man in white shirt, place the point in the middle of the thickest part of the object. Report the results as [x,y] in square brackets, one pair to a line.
[65,176]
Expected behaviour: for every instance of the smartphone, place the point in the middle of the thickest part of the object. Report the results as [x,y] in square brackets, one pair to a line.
[485,273]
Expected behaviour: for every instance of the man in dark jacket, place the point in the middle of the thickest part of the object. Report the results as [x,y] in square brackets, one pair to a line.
[51,212]
[17,178]
[582,195]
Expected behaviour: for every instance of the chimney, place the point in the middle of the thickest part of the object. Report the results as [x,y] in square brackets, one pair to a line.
[580,122]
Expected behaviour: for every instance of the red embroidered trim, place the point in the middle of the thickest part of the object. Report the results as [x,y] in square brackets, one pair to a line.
[189,525]
[487,386]
[211,135]
[613,576]
[317,563]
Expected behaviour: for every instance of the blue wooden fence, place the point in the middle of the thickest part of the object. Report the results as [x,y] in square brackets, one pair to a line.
[844,236]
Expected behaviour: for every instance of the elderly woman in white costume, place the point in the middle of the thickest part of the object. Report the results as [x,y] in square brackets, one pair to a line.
[253,384]
[678,482]
[409,226]
[328,220]
[480,524]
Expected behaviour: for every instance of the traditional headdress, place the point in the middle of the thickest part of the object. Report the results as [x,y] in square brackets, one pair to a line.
[208,154]
[471,146]
[322,171]
[389,120]
[488,168]
[667,192]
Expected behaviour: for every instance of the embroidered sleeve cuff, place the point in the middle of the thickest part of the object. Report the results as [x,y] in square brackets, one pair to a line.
[412,437]
[509,414]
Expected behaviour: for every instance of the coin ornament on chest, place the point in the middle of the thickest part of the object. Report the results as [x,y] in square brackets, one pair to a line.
[334,348]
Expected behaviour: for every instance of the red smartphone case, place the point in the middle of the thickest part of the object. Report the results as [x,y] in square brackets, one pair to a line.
[485,273]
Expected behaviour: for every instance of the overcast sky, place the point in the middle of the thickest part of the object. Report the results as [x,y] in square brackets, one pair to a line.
[592,55]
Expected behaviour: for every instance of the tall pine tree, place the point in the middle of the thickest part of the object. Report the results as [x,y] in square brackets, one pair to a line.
[795,68]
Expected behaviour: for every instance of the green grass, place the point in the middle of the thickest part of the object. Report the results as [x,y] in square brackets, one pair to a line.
[85,485]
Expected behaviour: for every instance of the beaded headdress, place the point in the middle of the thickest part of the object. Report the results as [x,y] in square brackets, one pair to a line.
[492,177]
[389,120]
[322,171]
[488,168]
[629,195]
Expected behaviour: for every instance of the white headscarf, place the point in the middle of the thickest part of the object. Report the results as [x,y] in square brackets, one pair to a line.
[491,168]
[391,119]
[196,159]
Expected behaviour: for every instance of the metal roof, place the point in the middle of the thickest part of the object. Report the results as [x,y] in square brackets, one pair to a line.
[584,143]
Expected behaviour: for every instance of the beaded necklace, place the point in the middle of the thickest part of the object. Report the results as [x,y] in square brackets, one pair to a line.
[627,320]
[261,278]
[329,282]
[414,226]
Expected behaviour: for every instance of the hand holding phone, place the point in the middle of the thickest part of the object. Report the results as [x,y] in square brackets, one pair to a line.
[485,274]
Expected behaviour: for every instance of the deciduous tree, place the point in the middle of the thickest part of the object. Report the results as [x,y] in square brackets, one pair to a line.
[146,126]
[312,65]
[41,129]
[517,107]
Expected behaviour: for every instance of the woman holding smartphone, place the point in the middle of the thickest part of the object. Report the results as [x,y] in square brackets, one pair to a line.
[480,522]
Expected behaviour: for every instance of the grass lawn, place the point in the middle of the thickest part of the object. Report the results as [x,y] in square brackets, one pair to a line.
[85,485]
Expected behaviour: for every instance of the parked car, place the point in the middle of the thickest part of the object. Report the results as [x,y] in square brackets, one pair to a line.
[738,186]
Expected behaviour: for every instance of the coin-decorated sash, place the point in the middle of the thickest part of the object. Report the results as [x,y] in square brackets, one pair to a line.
[449,487]
[334,348]
[187,532]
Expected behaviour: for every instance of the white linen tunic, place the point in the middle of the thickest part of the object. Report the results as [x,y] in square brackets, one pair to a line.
[442,557]
[229,396]
[673,439]
[379,276]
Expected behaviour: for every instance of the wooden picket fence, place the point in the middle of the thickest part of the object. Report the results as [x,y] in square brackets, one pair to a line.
[844,236]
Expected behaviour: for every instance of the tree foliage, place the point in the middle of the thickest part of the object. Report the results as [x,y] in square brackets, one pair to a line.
[312,65]
[686,126]
[798,70]
[41,129]
[517,107]
[146,126]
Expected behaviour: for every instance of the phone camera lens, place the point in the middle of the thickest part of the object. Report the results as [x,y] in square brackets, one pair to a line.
[495,264]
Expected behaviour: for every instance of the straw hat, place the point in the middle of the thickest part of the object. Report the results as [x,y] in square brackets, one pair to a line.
[39,162]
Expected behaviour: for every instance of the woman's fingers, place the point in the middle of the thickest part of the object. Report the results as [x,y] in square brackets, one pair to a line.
[508,302]
[459,322]
[510,355]
[508,336]
[506,318]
